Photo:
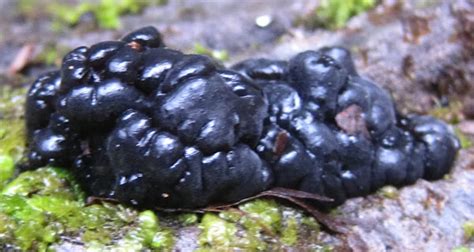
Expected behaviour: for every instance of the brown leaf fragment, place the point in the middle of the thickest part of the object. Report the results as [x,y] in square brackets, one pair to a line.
[336,225]
[22,59]
[91,200]
[277,191]
[333,224]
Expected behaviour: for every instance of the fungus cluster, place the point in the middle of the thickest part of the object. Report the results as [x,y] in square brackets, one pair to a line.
[150,126]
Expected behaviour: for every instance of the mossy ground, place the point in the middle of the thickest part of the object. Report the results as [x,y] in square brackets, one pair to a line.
[45,209]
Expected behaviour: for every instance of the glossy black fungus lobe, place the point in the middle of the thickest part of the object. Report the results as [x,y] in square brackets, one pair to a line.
[150,126]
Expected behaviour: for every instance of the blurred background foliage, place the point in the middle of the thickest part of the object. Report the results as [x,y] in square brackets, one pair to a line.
[332,14]
[68,13]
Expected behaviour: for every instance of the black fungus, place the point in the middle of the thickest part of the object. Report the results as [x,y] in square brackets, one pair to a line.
[263,69]
[318,79]
[75,68]
[99,53]
[150,126]
[93,107]
[147,36]
[156,63]
[40,103]
[124,65]
[56,144]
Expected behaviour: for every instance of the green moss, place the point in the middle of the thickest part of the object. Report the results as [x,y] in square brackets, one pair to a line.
[258,225]
[146,234]
[12,138]
[335,13]
[451,114]
[162,240]
[63,14]
[266,212]
[11,101]
[461,249]
[311,223]
[7,168]
[466,143]
[44,182]
[12,135]
[31,201]
[289,234]
[262,221]
[468,228]
[188,219]
[216,232]
[389,192]
[106,12]
[39,208]
[221,55]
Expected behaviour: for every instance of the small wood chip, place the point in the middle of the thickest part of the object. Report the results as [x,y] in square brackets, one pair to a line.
[135,46]
[352,121]
[280,143]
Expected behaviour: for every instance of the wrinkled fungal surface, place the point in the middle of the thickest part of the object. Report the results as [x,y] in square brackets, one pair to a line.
[150,126]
